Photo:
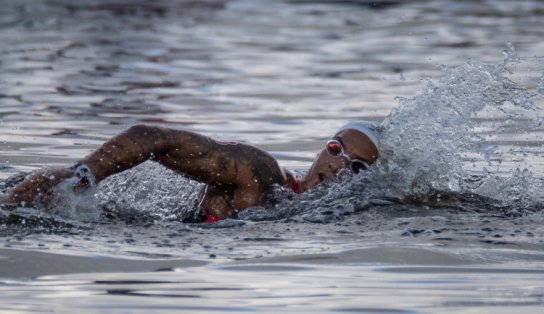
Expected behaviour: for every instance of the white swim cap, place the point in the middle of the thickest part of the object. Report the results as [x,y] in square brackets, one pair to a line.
[368,128]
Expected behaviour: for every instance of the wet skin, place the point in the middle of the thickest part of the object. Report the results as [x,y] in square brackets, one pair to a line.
[326,167]
[237,175]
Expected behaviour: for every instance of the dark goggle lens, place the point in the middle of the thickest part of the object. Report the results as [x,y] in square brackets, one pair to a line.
[334,148]
[358,166]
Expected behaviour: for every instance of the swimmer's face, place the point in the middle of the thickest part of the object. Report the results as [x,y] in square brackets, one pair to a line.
[326,166]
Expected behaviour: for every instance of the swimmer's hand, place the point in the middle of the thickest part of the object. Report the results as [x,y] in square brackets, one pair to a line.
[37,185]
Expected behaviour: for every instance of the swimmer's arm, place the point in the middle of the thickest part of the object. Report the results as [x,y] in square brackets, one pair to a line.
[193,154]
[182,151]
[238,175]
[143,142]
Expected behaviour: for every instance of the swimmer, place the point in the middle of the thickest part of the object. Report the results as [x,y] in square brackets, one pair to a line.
[237,175]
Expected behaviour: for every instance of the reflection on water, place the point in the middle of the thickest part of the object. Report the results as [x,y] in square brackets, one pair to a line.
[291,285]
[282,75]
[287,288]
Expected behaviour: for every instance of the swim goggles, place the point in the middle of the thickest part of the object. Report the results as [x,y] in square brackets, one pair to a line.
[335,148]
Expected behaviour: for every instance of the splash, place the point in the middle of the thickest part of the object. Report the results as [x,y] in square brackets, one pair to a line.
[472,133]
[472,137]
[145,194]
[150,192]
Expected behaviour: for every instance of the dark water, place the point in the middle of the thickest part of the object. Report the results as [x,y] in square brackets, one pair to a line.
[449,220]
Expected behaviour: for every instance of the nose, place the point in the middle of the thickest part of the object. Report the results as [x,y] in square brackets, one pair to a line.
[324,168]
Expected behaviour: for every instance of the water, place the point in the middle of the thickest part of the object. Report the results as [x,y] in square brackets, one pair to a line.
[449,220]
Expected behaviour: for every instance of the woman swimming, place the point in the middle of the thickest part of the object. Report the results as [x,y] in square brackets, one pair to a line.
[237,175]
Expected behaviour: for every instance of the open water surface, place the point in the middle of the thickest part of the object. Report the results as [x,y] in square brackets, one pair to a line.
[449,220]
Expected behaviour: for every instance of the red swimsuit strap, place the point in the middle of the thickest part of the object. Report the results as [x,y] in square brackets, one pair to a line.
[295,186]
[210,219]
